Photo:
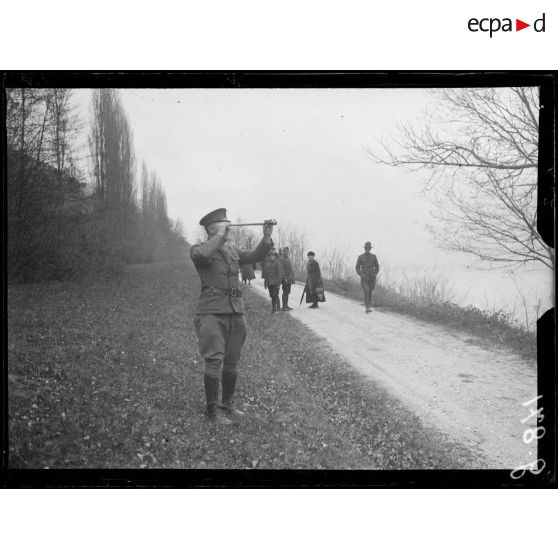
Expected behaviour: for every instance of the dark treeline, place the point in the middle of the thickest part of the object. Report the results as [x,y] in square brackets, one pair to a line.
[64,222]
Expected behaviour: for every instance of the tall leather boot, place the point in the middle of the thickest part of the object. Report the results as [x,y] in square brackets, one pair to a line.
[228,380]
[211,384]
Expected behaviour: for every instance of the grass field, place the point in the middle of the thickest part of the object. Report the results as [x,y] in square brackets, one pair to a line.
[106,374]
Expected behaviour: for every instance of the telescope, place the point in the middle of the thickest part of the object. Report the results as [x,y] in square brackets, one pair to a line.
[266,222]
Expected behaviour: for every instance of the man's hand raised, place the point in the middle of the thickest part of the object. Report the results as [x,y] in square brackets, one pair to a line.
[268,229]
[222,229]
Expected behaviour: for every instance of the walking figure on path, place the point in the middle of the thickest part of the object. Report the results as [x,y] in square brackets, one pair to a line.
[273,279]
[220,321]
[367,267]
[288,278]
[314,284]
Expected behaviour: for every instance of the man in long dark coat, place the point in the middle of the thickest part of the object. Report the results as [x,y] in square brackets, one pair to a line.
[220,321]
[247,273]
[314,281]
[367,268]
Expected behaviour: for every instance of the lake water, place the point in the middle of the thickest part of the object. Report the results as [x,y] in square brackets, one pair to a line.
[525,294]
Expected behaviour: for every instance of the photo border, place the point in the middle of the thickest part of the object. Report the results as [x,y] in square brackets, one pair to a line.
[287,478]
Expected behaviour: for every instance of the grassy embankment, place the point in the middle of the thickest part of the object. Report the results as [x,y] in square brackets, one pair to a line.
[107,374]
[428,299]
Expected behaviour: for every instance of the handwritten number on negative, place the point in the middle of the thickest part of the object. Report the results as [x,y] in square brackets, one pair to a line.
[534,413]
[518,472]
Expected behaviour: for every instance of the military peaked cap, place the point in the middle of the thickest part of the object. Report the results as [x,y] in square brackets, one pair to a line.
[213,217]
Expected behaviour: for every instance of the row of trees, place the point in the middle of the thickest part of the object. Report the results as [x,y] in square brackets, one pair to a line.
[64,221]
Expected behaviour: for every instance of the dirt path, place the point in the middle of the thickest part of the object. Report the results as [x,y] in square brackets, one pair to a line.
[465,387]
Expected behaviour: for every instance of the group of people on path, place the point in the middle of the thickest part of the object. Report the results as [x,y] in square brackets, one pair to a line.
[278,276]
[220,320]
[277,273]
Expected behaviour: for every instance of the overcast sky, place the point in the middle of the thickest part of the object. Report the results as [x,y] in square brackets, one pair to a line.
[296,155]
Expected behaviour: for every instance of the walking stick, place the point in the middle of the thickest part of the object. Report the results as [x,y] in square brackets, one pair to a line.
[302,297]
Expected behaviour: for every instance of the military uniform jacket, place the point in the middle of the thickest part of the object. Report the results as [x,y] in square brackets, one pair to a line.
[217,263]
[273,273]
[288,273]
[367,265]
[265,263]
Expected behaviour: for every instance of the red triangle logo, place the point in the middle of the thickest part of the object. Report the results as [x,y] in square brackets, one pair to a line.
[519,25]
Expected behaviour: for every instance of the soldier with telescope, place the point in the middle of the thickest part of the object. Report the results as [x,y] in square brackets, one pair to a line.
[220,321]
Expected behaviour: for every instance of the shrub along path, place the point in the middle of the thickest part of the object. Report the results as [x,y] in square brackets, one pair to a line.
[107,374]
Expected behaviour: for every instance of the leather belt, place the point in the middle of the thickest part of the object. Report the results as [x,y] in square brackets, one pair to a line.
[232,291]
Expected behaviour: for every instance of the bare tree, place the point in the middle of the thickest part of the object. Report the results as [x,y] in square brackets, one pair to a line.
[481,150]
[63,127]
[26,118]
[45,200]
[335,265]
